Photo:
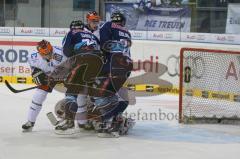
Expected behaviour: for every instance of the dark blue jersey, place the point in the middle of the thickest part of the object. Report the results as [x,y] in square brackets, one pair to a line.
[113,32]
[74,40]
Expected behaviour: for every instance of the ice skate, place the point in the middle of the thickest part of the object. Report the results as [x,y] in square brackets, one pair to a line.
[106,131]
[67,127]
[127,124]
[28,126]
[119,126]
[86,127]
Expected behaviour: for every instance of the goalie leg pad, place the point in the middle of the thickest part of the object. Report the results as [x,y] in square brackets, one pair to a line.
[122,105]
[66,108]
[106,105]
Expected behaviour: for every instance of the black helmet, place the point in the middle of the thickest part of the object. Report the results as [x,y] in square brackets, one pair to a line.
[118,17]
[77,24]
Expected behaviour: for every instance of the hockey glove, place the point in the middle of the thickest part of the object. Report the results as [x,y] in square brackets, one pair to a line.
[39,77]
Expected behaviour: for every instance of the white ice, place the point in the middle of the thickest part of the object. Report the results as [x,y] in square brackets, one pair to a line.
[151,139]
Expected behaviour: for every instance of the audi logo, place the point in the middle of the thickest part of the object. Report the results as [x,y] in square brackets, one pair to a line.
[196,63]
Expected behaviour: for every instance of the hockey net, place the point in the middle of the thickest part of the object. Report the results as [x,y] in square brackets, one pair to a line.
[209,86]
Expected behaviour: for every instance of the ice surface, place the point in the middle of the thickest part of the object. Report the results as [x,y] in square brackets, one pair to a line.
[153,139]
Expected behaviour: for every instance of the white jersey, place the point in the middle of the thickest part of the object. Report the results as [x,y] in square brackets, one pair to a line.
[95,33]
[36,60]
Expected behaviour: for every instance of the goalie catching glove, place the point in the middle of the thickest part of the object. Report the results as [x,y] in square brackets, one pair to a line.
[39,77]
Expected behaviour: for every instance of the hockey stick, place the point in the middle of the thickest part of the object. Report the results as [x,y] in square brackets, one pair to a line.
[52,119]
[18,91]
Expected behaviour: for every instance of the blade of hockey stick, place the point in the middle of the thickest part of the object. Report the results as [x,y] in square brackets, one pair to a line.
[52,118]
[18,91]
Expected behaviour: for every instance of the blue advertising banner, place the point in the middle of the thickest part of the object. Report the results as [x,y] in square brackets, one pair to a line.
[158,18]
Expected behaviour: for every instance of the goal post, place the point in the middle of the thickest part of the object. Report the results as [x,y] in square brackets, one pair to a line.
[209,88]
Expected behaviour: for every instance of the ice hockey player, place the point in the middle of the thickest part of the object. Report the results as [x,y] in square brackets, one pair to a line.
[115,31]
[42,64]
[115,43]
[77,41]
[93,21]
